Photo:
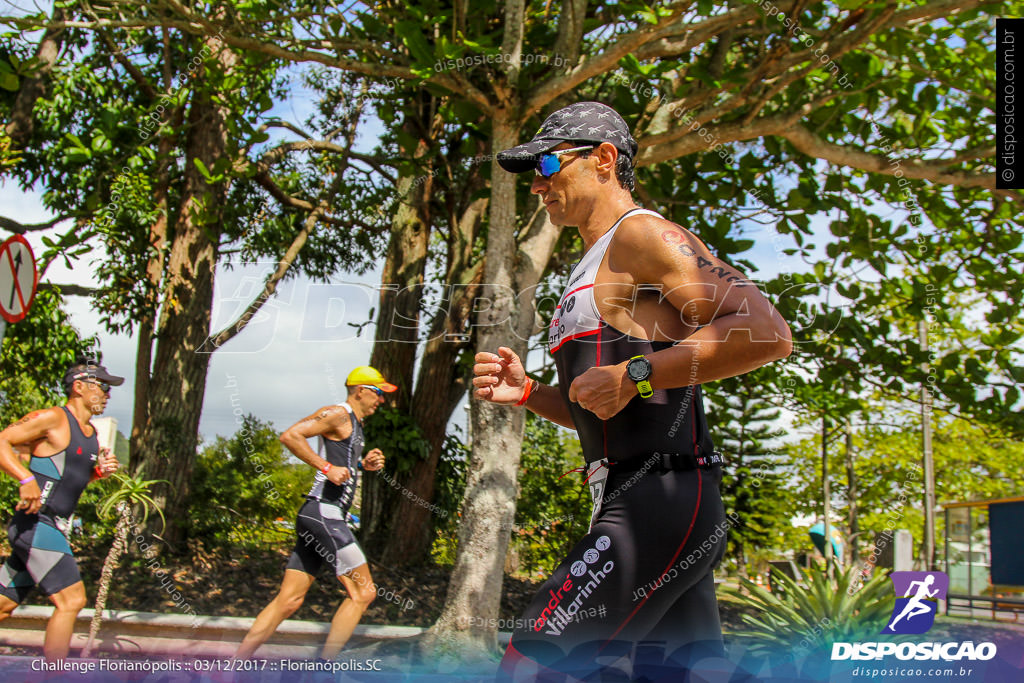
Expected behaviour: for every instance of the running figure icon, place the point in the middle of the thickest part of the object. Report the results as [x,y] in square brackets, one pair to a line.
[916,605]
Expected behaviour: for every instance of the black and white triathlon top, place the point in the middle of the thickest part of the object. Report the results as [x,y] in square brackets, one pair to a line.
[344,453]
[670,421]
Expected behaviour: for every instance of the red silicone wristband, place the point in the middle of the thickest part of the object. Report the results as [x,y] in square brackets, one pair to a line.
[529,390]
[326,468]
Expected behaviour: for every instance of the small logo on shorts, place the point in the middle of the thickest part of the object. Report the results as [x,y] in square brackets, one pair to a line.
[578,568]
[591,556]
[602,543]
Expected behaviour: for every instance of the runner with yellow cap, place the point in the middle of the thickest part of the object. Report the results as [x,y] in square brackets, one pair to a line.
[324,538]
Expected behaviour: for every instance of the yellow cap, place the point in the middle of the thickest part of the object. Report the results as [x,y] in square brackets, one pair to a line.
[364,374]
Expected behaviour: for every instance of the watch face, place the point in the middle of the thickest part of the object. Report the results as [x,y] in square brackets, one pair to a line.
[638,369]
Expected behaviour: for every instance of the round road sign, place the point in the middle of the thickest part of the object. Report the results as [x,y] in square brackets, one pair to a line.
[17,278]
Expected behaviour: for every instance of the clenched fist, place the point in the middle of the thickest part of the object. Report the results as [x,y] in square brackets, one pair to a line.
[499,377]
[373,461]
[604,390]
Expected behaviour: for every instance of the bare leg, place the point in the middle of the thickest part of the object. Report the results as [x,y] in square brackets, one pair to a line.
[361,592]
[289,598]
[69,602]
[6,607]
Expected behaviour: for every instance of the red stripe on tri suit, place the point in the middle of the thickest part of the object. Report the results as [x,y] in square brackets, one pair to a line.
[693,520]
[577,290]
[575,336]
[508,666]
[693,407]
[604,425]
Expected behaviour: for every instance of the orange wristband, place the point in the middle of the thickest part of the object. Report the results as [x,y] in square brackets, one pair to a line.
[529,390]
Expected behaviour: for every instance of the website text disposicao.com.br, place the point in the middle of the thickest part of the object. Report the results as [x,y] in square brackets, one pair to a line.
[957,658]
[912,672]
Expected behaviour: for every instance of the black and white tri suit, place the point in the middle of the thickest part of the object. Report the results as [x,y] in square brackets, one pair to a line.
[323,535]
[641,580]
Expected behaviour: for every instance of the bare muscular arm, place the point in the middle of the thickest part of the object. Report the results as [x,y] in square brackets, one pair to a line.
[329,421]
[735,329]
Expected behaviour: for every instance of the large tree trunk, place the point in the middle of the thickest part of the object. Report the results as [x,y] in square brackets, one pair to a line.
[401,294]
[146,322]
[396,338]
[438,391]
[22,121]
[178,384]
[178,381]
[489,504]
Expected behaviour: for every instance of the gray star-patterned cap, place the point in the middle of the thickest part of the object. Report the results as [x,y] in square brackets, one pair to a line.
[580,122]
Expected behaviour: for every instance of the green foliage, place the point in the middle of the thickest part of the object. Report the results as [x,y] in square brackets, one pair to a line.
[8,493]
[971,463]
[448,494]
[35,353]
[8,156]
[396,433]
[133,491]
[742,420]
[99,503]
[808,615]
[451,475]
[241,486]
[552,513]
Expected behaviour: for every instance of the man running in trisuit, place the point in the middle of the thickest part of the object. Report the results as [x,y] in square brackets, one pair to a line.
[63,455]
[648,314]
[323,535]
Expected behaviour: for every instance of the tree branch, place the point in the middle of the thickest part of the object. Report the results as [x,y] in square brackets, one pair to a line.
[933,170]
[270,286]
[17,228]
[69,290]
[278,152]
[599,63]
[119,57]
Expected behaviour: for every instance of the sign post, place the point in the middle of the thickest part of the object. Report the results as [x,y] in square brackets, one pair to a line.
[18,280]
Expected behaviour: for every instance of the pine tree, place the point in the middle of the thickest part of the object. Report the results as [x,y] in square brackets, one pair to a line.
[745,426]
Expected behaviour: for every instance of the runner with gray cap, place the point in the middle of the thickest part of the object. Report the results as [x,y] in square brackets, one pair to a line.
[63,455]
[648,314]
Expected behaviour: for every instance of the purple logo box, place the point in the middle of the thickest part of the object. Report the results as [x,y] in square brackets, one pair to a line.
[917,596]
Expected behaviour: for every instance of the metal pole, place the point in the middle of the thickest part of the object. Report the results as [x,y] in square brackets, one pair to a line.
[926,448]
[945,545]
[970,553]
[827,549]
[3,329]
[851,478]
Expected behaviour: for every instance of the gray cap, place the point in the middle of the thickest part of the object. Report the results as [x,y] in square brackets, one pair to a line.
[91,370]
[581,122]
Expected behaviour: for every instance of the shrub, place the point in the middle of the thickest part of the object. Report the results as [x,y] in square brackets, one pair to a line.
[242,485]
[806,616]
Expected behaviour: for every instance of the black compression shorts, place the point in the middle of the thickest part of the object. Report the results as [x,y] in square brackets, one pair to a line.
[638,588]
[324,538]
[40,557]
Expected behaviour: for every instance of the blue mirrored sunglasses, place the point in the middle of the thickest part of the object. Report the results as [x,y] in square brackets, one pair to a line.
[549,164]
[376,390]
